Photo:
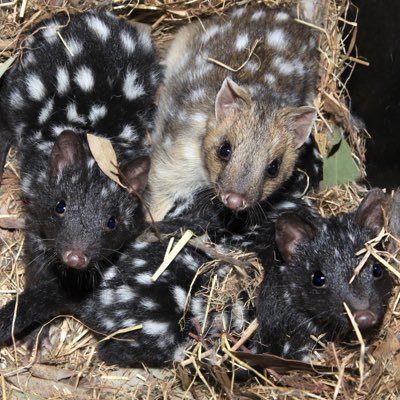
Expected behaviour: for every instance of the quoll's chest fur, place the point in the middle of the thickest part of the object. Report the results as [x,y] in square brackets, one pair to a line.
[236,79]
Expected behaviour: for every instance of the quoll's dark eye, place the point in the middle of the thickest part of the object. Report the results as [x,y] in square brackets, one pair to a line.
[225,151]
[60,207]
[111,223]
[377,271]
[273,168]
[318,279]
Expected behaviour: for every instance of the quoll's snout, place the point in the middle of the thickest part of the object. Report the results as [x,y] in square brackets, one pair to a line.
[365,319]
[234,201]
[75,259]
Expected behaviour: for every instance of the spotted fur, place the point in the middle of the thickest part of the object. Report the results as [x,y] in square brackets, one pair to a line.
[289,308]
[102,80]
[262,109]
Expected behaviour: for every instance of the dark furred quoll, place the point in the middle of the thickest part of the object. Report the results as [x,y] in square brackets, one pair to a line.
[304,294]
[101,79]
[300,297]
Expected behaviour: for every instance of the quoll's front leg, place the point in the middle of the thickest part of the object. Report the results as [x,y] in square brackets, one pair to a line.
[33,306]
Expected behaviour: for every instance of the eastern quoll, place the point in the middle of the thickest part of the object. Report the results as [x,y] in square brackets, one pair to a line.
[300,296]
[90,73]
[304,294]
[236,109]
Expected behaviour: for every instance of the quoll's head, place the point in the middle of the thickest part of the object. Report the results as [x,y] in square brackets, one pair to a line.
[320,258]
[84,217]
[252,150]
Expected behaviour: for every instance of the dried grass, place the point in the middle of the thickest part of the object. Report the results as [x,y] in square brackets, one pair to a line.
[70,369]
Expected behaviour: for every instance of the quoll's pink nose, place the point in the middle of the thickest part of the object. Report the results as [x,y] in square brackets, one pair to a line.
[75,259]
[234,201]
[365,319]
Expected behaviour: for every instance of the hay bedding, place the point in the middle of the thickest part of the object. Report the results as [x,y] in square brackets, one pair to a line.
[70,369]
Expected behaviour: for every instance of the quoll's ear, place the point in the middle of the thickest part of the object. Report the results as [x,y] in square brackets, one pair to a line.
[67,151]
[300,120]
[231,97]
[137,172]
[370,212]
[290,230]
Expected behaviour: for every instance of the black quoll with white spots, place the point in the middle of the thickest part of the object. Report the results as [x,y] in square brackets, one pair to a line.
[300,296]
[304,294]
[92,73]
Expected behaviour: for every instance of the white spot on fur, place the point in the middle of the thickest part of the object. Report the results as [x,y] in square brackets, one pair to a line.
[110,274]
[197,308]
[127,323]
[29,58]
[269,78]
[35,87]
[286,348]
[108,324]
[288,67]
[180,297]
[128,132]
[72,114]
[84,78]
[128,43]
[57,129]
[97,112]
[62,80]
[281,16]
[145,40]
[198,117]
[16,100]
[211,31]
[74,47]
[148,304]
[258,15]
[155,328]
[107,297]
[50,33]
[98,27]
[132,88]
[285,205]
[139,262]
[179,353]
[140,245]
[189,261]
[242,41]
[252,67]
[124,294]
[46,111]
[238,12]
[104,193]
[277,39]
[197,94]
[90,163]
[144,278]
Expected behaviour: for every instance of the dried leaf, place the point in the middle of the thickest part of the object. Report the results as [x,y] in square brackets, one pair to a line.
[103,152]
[12,222]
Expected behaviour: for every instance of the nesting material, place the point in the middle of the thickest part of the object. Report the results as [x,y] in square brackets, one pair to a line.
[71,370]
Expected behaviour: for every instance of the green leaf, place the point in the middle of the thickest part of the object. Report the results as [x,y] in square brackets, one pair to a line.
[7,64]
[339,165]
